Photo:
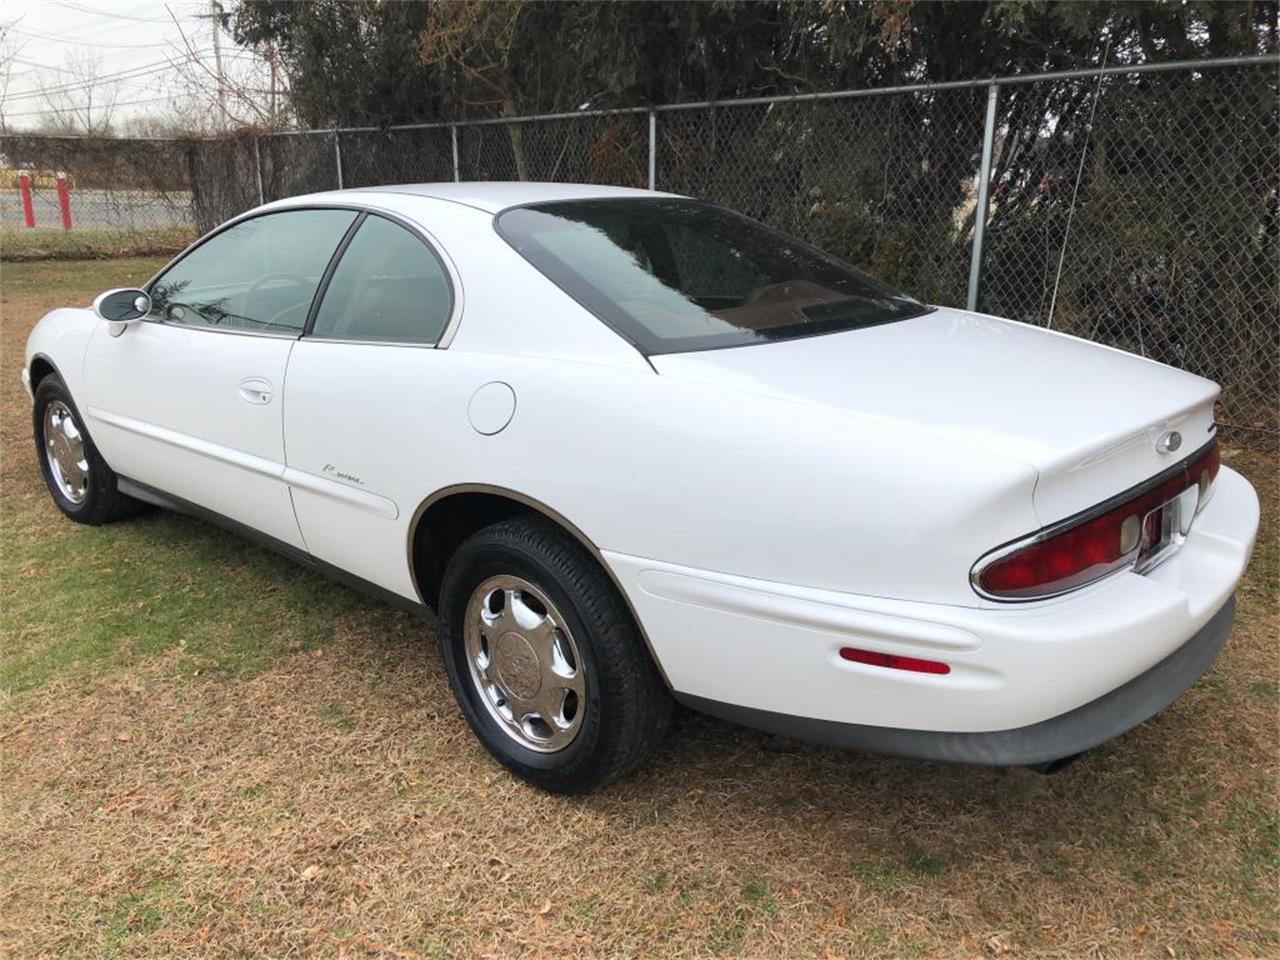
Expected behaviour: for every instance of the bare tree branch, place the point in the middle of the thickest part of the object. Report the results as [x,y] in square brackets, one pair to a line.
[81,100]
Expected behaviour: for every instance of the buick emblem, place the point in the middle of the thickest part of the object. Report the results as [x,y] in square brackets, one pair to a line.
[1169,441]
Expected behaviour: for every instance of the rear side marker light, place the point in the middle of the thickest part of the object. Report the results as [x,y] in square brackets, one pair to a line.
[1123,532]
[893,662]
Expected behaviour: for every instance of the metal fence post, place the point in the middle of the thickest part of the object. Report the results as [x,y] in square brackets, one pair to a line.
[453,132]
[257,167]
[337,157]
[984,185]
[653,150]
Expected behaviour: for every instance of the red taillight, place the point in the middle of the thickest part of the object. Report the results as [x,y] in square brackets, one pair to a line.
[1205,466]
[892,661]
[1084,548]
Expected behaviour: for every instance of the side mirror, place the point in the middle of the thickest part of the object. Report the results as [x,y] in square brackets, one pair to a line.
[118,307]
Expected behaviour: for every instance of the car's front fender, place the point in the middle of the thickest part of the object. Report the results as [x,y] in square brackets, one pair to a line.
[60,339]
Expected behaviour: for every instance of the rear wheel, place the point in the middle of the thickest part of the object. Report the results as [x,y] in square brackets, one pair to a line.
[545,660]
[82,485]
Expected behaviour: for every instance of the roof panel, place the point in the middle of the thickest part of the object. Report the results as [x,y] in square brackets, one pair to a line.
[498,195]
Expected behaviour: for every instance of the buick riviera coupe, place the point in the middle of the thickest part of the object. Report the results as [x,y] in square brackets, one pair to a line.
[634,449]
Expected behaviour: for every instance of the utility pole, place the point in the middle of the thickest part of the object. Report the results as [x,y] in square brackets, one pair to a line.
[271,59]
[215,19]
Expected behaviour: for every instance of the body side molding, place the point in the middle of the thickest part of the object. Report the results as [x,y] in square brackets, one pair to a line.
[205,448]
[372,503]
[149,494]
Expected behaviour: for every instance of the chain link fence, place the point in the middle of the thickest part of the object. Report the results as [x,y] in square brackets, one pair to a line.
[1156,230]
[1139,207]
[883,182]
[97,190]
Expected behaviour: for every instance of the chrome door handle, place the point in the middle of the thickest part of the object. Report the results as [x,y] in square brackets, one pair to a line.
[255,390]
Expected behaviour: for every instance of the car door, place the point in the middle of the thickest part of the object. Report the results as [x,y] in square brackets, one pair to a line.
[188,401]
[359,399]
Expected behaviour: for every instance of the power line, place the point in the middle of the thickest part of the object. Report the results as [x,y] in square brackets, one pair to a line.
[136,10]
[84,43]
[96,27]
[121,103]
[133,73]
[122,76]
[42,66]
[109,14]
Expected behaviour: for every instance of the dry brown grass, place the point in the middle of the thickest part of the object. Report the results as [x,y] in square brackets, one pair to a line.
[333,803]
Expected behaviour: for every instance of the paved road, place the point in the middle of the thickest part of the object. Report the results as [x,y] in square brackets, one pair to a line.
[99,209]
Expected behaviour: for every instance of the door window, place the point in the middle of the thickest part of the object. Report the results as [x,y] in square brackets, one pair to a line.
[259,275]
[389,286]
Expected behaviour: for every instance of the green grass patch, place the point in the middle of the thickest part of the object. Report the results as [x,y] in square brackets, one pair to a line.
[758,894]
[920,862]
[1266,689]
[78,601]
[656,882]
[338,715]
[78,280]
[877,875]
[44,244]
[139,914]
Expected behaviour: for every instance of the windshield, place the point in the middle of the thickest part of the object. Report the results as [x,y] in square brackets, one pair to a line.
[674,275]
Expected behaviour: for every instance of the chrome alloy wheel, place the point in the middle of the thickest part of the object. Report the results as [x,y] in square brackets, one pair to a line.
[64,451]
[525,664]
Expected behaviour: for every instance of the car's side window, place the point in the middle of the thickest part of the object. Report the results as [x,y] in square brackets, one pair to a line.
[259,275]
[389,286]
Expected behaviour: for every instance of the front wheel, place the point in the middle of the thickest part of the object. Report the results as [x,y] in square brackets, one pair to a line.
[82,485]
[545,660]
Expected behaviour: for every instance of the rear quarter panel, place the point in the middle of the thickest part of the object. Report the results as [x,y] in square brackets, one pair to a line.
[648,466]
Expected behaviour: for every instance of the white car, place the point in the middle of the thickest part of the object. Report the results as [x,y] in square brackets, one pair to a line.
[635,448]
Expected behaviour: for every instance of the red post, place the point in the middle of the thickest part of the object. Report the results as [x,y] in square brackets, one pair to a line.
[64,200]
[24,188]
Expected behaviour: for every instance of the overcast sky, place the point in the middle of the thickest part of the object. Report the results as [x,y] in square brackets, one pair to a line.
[134,39]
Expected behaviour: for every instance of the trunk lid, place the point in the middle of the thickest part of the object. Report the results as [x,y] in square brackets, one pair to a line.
[1088,418]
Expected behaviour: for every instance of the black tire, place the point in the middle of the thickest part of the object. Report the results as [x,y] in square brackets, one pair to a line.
[103,502]
[627,707]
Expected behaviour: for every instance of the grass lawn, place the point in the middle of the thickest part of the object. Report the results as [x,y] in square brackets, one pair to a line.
[20,244]
[206,750]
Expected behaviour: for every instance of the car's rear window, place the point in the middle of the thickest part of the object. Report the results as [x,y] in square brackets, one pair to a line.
[674,275]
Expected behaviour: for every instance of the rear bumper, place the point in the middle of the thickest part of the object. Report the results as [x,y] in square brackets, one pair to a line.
[1064,736]
[1091,663]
